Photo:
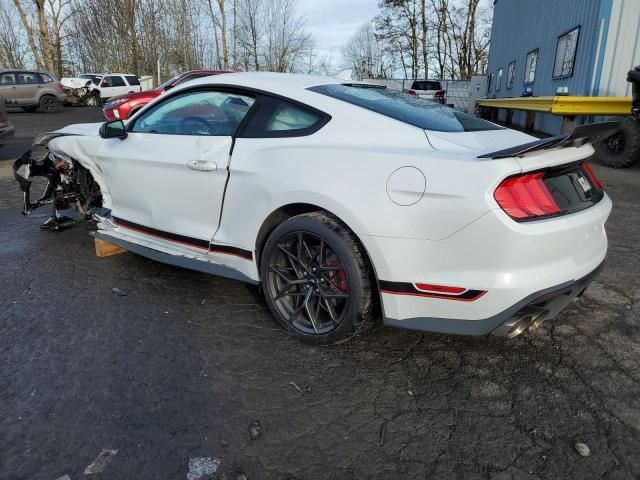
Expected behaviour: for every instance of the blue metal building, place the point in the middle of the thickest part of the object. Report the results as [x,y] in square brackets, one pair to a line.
[583,47]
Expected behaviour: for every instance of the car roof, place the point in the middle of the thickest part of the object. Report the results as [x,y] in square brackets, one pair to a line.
[294,86]
[23,70]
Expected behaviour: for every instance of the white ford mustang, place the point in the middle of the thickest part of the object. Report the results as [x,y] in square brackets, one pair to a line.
[343,200]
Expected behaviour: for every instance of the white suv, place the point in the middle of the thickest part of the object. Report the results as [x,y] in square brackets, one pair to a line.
[429,89]
[114,84]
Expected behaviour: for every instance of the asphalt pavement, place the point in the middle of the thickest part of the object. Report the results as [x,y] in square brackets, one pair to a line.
[176,374]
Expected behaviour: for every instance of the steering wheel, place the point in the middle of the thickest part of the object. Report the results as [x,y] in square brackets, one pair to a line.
[183,124]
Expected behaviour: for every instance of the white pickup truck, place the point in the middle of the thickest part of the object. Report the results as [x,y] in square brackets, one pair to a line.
[92,88]
[429,89]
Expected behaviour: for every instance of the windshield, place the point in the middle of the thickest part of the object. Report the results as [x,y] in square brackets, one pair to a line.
[419,112]
[164,85]
[94,78]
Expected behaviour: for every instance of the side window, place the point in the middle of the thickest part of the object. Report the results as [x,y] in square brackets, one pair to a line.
[28,78]
[511,72]
[530,67]
[116,81]
[7,79]
[132,80]
[290,117]
[196,113]
[566,54]
[280,118]
[46,78]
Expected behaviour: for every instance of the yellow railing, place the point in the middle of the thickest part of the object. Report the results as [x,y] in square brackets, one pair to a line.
[564,106]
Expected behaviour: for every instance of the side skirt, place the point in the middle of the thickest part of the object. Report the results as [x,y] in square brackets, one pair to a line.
[178,261]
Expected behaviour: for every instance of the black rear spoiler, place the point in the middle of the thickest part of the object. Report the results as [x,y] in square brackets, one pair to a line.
[580,135]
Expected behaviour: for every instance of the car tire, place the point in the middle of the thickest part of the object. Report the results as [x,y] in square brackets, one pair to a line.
[93,100]
[49,104]
[316,279]
[29,109]
[622,149]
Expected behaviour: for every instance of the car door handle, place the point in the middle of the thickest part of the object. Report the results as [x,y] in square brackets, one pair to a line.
[202,165]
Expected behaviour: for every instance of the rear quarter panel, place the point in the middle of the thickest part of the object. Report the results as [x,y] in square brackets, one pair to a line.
[344,168]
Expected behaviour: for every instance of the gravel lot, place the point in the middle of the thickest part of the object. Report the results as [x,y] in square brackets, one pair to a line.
[177,365]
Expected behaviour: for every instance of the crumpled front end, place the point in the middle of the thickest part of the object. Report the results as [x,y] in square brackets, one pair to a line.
[68,183]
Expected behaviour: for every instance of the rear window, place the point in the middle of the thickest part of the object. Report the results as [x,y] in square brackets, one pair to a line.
[426,85]
[419,112]
[132,80]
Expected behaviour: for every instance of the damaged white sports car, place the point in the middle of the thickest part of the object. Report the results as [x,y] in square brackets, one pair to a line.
[343,200]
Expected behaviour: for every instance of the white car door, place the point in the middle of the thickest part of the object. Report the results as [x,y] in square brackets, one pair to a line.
[112,85]
[167,177]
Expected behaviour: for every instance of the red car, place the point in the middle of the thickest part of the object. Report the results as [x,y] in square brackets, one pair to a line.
[124,106]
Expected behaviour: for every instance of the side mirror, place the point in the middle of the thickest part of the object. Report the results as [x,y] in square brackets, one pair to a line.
[114,129]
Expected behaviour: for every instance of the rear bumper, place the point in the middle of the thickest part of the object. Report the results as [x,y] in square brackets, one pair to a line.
[499,267]
[550,300]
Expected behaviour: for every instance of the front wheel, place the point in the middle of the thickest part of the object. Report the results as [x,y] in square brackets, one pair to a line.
[93,100]
[316,279]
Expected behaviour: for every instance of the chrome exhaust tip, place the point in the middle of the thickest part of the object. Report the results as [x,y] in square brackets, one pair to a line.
[539,316]
[515,325]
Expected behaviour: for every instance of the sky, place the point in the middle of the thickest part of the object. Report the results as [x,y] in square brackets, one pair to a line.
[332,22]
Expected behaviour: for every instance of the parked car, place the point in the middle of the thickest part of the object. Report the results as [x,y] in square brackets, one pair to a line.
[429,89]
[124,106]
[31,90]
[6,129]
[342,199]
[91,89]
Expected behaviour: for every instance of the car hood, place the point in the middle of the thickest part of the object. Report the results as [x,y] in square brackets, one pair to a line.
[82,129]
[136,95]
[477,143]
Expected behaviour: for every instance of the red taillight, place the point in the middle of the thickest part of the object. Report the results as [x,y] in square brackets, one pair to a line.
[439,96]
[524,197]
[592,176]
[427,287]
[60,86]
[410,92]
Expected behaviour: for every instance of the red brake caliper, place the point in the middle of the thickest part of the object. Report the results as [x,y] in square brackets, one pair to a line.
[339,276]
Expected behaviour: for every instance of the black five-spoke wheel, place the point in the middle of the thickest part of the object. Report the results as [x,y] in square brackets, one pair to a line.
[315,279]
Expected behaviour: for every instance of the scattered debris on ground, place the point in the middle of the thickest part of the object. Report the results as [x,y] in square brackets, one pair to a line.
[583,449]
[101,462]
[200,467]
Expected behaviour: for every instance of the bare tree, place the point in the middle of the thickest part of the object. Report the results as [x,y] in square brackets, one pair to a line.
[14,49]
[35,51]
[364,54]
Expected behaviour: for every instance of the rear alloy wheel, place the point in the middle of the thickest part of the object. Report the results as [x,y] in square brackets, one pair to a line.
[622,149]
[49,104]
[316,280]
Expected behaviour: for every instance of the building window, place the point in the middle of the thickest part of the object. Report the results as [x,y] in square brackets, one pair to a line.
[498,80]
[489,80]
[566,53]
[511,73]
[530,67]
